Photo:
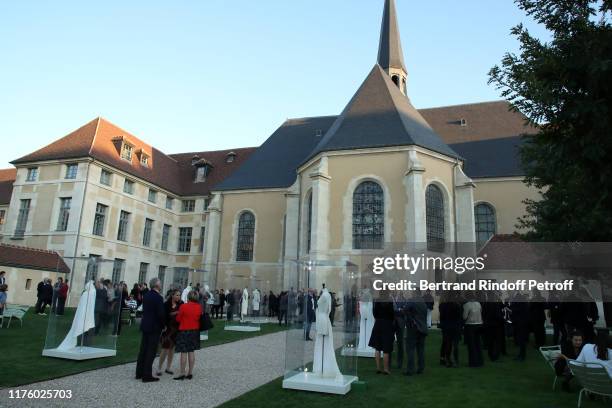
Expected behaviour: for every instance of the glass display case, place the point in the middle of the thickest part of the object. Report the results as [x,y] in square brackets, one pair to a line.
[323,324]
[255,291]
[362,303]
[87,326]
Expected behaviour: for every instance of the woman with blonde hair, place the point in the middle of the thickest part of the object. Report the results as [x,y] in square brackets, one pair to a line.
[188,338]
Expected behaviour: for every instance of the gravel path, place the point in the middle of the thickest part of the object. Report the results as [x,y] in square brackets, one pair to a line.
[222,373]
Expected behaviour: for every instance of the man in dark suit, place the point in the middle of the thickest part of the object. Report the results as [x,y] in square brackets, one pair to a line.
[153,319]
[416,331]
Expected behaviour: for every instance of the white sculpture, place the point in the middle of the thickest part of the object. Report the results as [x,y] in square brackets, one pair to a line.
[366,320]
[244,311]
[324,363]
[186,293]
[84,318]
[256,301]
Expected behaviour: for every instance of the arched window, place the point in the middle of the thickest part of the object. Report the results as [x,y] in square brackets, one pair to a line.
[396,80]
[309,228]
[368,216]
[434,205]
[246,237]
[484,220]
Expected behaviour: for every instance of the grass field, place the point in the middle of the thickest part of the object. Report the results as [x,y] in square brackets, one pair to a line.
[505,384]
[23,363]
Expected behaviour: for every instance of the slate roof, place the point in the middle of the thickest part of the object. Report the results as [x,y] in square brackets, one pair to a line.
[274,164]
[390,54]
[101,140]
[379,115]
[491,158]
[7,178]
[31,258]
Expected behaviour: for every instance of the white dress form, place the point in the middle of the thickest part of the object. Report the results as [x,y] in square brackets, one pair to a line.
[324,363]
[256,300]
[366,320]
[244,310]
[84,317]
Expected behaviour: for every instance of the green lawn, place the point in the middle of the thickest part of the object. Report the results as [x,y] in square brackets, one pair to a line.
[22,347]
[505,384]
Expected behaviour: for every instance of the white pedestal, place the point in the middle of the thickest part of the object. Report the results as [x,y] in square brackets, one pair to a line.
[79,353]
[203,336]
[243,328]
[315,383]
[359,352]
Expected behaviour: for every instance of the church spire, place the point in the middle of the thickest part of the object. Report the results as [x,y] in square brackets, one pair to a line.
[390,54]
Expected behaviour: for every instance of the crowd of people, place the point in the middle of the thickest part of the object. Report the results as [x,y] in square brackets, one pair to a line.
[486,322]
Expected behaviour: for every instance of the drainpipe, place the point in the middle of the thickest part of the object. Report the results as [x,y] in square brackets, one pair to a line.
[220,237]
[76,245]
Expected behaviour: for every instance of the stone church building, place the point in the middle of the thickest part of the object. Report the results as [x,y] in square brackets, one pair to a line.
[335,187]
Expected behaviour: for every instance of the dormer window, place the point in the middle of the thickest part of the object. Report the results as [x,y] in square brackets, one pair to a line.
[463,122]
[144,160]
[194,160]
[231,156]
[203,169]
[126,151]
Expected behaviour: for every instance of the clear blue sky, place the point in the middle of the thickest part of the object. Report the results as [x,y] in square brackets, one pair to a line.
[205,75]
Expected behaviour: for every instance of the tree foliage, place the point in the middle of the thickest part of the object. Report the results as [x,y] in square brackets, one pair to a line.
[564,87]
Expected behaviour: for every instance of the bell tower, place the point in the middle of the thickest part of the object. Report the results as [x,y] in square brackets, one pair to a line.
[390,54]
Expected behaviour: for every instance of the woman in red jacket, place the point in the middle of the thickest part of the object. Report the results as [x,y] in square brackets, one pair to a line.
[188,338]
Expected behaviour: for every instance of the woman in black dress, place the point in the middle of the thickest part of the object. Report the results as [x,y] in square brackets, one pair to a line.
[168,337]
[381,339]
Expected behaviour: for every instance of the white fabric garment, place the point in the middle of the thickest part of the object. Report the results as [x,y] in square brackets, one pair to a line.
[245,303]
[185,294]
[84,318]
[256,300]
[209,295]
[324,362]
[589,355]
[366,323]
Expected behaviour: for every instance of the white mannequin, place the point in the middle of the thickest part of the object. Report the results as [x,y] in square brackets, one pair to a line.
[84,318]
[256,301]
[245,304]
[366,320]
[324,363]
[186,293]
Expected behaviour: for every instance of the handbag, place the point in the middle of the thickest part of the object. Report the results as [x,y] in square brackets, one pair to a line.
[206,322]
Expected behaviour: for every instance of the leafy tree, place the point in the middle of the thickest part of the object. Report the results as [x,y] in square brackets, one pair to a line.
[564,87]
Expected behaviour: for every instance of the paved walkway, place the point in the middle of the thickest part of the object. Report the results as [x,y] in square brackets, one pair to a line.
[222,373]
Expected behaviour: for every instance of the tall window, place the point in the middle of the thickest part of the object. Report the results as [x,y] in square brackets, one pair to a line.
[22,218]
[246,237]
[2,215]
[434,208]
[71,170]
[124,221]
[180,277]
[118,266]
[161,275]
[128,186]
[146,236]
[142,272]
[105,177]
[126,151]
[64,213]
[188,206]
[202,236]
[169,202]
[368,216]
[152,195]
[99,219]
[165,237]
[484,220]
[32,174]
[93,265]
[309,228]
[184,244]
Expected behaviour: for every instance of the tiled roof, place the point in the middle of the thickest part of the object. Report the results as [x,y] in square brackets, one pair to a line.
[491,158]
[31,258]
[379,115]
[7,178]
[482,121]
[102,141]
